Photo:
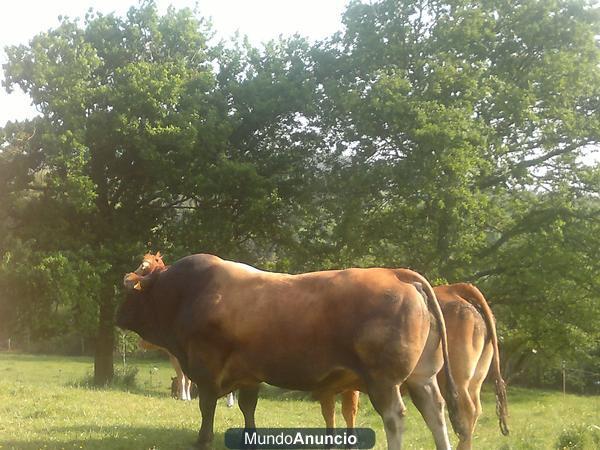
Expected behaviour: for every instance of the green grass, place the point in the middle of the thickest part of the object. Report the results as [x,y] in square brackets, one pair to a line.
[42,406]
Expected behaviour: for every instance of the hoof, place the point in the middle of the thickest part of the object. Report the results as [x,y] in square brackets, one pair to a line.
[201,446]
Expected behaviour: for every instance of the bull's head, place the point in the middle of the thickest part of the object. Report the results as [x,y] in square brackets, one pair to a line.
[134,312]
[140,279]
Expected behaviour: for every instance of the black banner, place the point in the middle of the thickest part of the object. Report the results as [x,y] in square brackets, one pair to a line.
[299,438]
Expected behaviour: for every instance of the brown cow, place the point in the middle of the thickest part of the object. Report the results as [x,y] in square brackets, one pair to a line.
[232,326]
[473,346]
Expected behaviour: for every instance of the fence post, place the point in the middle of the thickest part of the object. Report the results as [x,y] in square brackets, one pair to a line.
[564,379]
[123,349]
[9,344]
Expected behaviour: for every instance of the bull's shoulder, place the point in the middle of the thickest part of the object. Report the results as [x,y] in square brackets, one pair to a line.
[238,268]
[187,272]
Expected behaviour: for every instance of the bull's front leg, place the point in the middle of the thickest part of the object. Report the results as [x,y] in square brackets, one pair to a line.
[208,402]
[247,399]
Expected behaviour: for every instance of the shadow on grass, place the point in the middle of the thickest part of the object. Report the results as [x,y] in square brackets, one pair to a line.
[135,390]
[120,438]
[275,393]
[33,357]
[266,391]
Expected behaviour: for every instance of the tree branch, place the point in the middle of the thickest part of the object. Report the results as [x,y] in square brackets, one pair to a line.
[495,179]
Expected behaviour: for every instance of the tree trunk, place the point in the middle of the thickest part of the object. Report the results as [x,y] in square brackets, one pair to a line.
[103,356]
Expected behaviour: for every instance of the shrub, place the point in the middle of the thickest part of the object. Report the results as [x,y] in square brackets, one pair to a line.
[124,378]
[582,437]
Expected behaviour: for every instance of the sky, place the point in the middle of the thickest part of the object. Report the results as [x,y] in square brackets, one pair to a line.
[260,20]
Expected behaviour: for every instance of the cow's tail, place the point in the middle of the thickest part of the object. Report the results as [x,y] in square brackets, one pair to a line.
[476,298]
[409,276]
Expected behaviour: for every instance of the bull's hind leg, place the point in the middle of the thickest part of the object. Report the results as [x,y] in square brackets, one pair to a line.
[426,396]
[387,401]
[471,394]
[328,410]
[247,399]
[350,407]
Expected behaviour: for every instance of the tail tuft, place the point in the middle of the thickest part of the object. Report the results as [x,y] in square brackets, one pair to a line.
[501,406]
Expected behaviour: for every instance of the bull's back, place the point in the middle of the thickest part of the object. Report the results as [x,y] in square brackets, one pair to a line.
[316,305]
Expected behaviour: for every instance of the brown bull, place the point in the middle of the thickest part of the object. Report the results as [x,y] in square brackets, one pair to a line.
[232,326]
[473,346]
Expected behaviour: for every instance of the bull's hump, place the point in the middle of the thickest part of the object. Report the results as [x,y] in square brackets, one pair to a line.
[245,270]
[200,261]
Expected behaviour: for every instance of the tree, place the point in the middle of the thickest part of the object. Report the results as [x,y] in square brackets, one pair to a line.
[460,128]
[253,188]
[140,141]
[447,136]
[121,102]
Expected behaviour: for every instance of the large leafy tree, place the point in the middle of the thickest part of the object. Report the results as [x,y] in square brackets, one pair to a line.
[149,136]
[121,101]
[461,129]
[256,187]
[451,103]
[447,136]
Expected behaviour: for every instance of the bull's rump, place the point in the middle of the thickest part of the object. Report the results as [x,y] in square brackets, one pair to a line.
[310,331]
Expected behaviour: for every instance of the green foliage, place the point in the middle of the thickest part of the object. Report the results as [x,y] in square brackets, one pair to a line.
[460,128]
[447,136]
[121,100]
[55,291]
[579,437]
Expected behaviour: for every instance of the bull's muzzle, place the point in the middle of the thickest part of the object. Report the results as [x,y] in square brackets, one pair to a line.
[132,281]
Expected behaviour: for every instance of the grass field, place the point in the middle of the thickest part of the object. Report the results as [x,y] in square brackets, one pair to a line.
[42,405]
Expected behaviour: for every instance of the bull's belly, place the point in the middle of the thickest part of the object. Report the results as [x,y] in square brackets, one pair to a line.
[295,374]
[329,366]
[335,381]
